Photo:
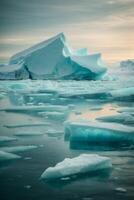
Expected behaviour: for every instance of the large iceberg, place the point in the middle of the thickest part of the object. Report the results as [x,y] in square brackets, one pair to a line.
[54,59]
[84,163]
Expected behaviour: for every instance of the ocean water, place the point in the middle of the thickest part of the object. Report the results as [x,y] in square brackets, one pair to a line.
[80,101]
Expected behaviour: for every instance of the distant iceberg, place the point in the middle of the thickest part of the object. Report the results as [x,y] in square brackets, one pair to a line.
[54,59]
[127,65]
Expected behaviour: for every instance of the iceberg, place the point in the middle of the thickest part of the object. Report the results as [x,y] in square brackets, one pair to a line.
[13,72]
[99,134]
[127,65]
[54,59]
[5,156]
[84,163]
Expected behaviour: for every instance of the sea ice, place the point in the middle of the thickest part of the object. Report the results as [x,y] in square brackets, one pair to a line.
[6,139]
[123,94]
[5,156]
[99,133]
[13,71]
[124,118]
[26,125]
[17,149]
[27,109]
[27,134]
[84,163]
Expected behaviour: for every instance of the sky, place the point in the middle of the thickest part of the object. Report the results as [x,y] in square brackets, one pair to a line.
[104,26]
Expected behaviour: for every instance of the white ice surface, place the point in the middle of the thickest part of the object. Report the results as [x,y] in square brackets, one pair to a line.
[82,164]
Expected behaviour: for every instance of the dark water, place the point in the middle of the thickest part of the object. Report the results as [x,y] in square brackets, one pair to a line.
[21,179]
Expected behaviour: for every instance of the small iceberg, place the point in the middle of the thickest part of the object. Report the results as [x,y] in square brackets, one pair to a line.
[28,109]
[84,163]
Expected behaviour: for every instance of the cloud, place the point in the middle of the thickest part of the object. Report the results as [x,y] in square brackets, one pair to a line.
[105,25]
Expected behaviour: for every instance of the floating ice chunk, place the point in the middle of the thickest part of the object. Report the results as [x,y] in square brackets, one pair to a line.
[54,133]
[28,109]
[14,71]
[26,125]
[5,156]
[99,133]
[129,110]
[120,118]
[27,134]
[38,97]
[17,149]
[6,139]
[119,189]
[84,163]
[123,94]
[56,115]
[27,186]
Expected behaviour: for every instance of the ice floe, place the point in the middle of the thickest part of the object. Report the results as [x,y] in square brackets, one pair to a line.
[96,133]
[17,149]
[84,163]
[5,156]
[7,139]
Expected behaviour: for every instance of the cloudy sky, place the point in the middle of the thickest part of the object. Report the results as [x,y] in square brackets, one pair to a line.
[105,26]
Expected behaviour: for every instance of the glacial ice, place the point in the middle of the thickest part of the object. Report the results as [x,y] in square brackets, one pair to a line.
[13,72]
[54,59]
[5,156]
[96,133]
[17,149]
[84,163]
